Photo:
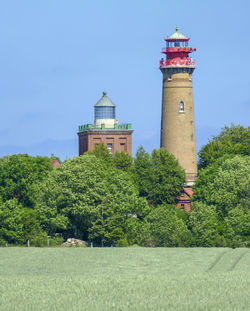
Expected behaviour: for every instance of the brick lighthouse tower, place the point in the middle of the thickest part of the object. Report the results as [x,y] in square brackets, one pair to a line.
[177,120]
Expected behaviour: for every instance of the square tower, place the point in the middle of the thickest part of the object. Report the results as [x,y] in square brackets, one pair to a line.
[106,129]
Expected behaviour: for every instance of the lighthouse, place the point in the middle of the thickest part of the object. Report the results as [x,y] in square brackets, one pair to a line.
[177,118]
[106,129]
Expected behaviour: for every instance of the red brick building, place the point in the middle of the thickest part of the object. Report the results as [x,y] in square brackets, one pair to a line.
[184,200]
[106,129]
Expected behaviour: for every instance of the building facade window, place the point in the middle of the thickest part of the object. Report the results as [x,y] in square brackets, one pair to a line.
[181,107]
[110,148]
[182,206]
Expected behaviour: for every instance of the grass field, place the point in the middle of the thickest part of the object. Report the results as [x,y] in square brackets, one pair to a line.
[124,279]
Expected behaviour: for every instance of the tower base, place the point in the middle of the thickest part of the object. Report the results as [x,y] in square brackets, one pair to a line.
[190,179]
[115,140]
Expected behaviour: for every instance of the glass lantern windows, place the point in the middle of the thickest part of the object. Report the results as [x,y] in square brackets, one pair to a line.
[176,43]
[104,112]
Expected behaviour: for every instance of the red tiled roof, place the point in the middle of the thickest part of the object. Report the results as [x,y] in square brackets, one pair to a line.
[55,163]
[189,191]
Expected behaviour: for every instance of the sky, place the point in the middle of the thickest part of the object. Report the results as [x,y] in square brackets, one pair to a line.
[58,56]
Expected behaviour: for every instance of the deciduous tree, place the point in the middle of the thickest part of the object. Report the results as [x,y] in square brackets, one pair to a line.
[163,227]
[229,187]
[231,141]
[204,224]
[159,177]
[19,173]
[90,198]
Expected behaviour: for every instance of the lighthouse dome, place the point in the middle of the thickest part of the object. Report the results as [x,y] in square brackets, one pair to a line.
[104,101]
[177,36]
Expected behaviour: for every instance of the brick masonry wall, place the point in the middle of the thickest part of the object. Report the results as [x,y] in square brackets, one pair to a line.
[120,140]
[178,129]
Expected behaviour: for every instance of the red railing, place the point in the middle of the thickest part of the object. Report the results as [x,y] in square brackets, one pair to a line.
[176,49]
[177,63]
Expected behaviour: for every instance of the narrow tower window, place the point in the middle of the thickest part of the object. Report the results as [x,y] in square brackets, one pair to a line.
[181,107]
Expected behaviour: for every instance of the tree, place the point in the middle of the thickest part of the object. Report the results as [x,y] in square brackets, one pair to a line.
[159,177]
[205,177]
[229,187]
[11,227]
[204,224]
[101,151]
[222,195]
[238,225]
[116,213]
[231,141]
[123,161]
[89,200]
[162,227]
[17,224]
[143,171]
[19,173]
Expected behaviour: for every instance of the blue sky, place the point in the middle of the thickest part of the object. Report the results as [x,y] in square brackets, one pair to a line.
[56,58]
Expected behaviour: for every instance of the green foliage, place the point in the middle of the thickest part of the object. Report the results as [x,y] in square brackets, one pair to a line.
[163,227]
[206,176]
[122,243]
[42,240]
[203,222]
[101,151]
[223,184]
[39,240]
[17,224]
[11,226]
[238,225]
[112,200]
[222,193]
[56,241]
[90,199]
[231,141]
[229,187]
[168,178]
[18,173]
[143,171]
[3,242]
[159,177]
[123,161]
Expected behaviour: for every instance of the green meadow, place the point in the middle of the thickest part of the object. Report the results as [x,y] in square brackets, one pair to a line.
[124,279]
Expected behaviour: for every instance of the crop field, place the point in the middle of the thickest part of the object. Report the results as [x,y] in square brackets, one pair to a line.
[124,279]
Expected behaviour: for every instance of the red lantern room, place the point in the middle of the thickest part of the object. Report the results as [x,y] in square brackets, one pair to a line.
[177,52]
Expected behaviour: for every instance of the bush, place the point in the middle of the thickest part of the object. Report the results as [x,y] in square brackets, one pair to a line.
[122,243]
[42,240]
[2,242]
[39,240]
[56,241]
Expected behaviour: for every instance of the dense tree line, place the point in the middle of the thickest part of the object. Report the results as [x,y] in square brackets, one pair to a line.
[117,200]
